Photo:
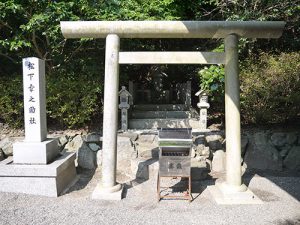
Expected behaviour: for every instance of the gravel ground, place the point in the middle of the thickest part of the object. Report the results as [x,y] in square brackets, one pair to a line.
[281,195]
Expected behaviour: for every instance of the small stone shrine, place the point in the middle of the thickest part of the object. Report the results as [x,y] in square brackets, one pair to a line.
[37,166]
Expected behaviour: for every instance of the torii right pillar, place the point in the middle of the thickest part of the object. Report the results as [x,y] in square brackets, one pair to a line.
[232,190]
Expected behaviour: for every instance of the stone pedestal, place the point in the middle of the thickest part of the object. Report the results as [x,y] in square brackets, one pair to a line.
[35,152]
[112,193]
[47,180]
[227,195]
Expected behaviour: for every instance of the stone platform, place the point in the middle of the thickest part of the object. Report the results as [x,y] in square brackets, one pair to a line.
[46,180]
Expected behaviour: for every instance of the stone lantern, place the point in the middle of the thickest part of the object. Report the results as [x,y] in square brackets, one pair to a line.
[125,102]
[203,105]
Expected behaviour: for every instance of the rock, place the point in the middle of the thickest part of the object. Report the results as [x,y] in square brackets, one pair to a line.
[199,140]
[278,139]
[260,138]
[7,146]
[93,138]
[292,160]
[147,138]
[219,161]
[148,153]
[291,138]
[133,136]
[262,155]
[1,155]
[125,150]
[94,147]
[244,143]
[205,152]
[285,150]
[75,143]
[86,157]
[62,141]
[193,152]
[214,141]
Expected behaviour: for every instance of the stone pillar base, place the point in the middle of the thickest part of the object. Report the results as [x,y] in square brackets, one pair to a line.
[228,195]
[113,193]
[35,152]
[47,180]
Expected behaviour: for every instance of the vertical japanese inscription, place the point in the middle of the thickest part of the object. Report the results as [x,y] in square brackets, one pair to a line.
[34,99]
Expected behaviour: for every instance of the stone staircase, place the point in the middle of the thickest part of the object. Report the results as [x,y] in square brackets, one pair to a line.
[150,116]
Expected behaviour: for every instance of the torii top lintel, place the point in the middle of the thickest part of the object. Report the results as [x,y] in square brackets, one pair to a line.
[172,29]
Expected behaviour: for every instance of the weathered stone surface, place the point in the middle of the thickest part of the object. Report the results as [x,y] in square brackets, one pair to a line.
[74,144]
[219,161]
[278,139]
[200,140]
[94,147]
[147,138]
[291,138]
[86,157]
[62,141]
[148,152]
[292,160]
[285,150]
[125,149]
[133,136]
[261,155]
[7,145]
[93,138]
[214,141]
[1,155]
[244,143]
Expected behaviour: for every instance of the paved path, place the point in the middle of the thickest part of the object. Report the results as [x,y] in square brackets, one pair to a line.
[281,206]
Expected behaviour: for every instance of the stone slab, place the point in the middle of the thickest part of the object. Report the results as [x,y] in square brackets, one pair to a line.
[103,195]
[35,152]
[163,123]
[235,198]
[47,180]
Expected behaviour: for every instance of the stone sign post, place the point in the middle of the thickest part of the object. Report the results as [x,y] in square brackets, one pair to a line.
[36,148]
[37,166]
[125,102]
[203,105]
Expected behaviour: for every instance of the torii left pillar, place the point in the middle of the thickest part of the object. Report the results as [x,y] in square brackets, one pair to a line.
[108,189]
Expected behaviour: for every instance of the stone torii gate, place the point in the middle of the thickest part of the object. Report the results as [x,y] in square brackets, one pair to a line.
[232,190]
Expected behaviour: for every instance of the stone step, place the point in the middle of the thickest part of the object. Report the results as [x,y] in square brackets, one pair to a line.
[160,114]
[163,123]
[161,107]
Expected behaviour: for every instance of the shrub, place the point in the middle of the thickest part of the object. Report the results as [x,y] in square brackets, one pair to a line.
[11,100]
[72,101]
[270,88]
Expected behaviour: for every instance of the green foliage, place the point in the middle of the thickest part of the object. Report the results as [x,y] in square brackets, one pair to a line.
[11,100]
[73,100]
[212,81]
[270,88]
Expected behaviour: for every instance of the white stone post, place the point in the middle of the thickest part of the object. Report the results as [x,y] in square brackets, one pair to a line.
[232,114]
[36,148]
[110,117]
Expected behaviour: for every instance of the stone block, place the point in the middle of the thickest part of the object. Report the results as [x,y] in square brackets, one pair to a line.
[36,152]
[7,145]
[47,180]
[214,141]
[292,160]
[93,138]
[278,139]
[86,157]
[1,155]
[74,144]
[219,161]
